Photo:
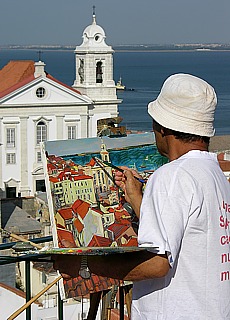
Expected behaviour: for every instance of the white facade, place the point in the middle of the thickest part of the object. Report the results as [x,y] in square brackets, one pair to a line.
[11,300]
[45,109]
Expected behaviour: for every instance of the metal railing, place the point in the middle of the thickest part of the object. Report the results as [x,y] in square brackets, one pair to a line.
[27,258]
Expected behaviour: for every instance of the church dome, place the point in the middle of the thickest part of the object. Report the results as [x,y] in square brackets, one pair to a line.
[94,34]
[93,29]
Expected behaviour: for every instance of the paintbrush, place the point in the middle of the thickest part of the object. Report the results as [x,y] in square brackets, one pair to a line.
[109,164]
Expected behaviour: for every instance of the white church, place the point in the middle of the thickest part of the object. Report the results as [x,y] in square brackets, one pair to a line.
[36,107]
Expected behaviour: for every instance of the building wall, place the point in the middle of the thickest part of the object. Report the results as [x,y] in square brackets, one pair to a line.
[59,107]
[27,169]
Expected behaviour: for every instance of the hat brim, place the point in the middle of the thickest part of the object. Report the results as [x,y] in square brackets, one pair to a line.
[173,121]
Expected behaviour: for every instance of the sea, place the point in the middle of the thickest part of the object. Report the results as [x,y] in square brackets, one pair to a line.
[143,73]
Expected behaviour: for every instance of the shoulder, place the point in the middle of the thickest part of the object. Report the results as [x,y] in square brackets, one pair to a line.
[180,173]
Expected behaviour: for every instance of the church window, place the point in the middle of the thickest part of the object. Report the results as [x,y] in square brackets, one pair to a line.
[40,92]
[10,137]
[11,192]
[72,132]
[99,72]
[81,70]
[40,185]
[39,157]
[41,132]
[10,158]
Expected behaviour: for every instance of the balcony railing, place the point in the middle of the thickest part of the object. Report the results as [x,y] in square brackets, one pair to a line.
[95,298]
[27,258]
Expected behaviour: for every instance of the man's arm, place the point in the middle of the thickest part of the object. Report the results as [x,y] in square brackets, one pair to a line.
[133,266]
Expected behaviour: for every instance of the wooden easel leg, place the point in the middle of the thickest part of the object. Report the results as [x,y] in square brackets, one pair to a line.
[94,303]
[122,302]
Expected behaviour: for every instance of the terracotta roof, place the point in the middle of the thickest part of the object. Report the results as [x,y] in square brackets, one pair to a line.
[81,177]
[63,84]
[117,229]
[66,213]
[98,241]
[78,225]
[67,236]
[81,207]
[17,73]
[53,179]
[91,163]
[76,204]
[225,165]
[51,166]
[78,287]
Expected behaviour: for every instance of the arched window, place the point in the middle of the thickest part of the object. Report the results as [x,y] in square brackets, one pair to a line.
[81,70]
[99,72]
[41,132]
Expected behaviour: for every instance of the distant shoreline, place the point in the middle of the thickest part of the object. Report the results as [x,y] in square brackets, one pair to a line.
[129,48]
[125,50]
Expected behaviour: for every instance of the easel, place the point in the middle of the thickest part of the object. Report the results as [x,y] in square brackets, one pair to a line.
[108,297]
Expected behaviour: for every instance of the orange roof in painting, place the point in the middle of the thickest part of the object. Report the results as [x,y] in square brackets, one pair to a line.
[98,241]
[132,242]
[118,229]
[53,179]
[67,236]
[92,162]
[66,213]
[78,225]
[81,207]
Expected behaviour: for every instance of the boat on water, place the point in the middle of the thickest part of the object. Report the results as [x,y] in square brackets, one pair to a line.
[119,85]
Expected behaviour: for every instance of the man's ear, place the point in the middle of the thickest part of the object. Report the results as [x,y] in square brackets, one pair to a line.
[163,133]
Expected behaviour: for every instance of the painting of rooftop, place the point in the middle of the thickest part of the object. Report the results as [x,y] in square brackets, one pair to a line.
[87,209]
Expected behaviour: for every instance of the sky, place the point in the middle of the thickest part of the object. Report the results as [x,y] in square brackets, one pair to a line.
[125,22]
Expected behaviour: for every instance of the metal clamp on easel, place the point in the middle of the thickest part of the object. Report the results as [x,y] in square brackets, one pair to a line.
[84,271]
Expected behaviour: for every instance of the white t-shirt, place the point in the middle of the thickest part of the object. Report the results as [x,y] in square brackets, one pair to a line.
[186,212]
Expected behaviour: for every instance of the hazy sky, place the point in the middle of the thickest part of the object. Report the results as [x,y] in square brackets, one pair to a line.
[124,21]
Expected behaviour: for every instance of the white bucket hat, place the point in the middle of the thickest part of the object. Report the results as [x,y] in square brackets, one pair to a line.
[185,104]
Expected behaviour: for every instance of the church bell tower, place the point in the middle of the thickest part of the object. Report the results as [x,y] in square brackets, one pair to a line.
[94,65]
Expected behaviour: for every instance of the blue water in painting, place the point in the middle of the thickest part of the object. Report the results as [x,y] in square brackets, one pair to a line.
[143,158]
[144,72]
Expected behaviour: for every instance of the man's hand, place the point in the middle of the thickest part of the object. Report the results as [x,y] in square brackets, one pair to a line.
[132,187]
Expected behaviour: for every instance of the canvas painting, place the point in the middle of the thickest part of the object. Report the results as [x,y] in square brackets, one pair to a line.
[87,209]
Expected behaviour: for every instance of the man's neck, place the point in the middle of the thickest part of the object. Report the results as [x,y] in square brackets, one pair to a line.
[178,148]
